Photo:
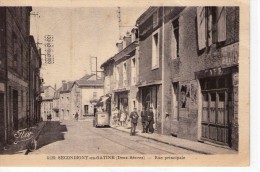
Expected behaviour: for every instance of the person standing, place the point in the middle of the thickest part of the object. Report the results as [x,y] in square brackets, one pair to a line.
[150,120]
[144,120]
[115,116]
[123,118]
[134,118]
[76,116]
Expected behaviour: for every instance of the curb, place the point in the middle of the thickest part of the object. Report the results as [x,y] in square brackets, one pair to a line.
[183,147]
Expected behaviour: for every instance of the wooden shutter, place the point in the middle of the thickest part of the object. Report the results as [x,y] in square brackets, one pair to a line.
[221,23]
[201,24]
[209,26]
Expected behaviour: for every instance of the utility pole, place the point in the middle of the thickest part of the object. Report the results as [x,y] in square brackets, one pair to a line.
[96,71]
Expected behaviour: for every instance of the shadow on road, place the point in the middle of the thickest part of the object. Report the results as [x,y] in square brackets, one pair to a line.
[52,132]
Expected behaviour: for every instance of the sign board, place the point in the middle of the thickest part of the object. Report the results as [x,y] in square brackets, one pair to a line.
[49,49]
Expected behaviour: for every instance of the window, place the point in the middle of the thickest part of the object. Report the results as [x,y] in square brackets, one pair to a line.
[124,75]
[175,40]
[133,75]
[175,100]
[211,23]
[15,48]
[94,95]
[155,51]
[22,61]
[85,109]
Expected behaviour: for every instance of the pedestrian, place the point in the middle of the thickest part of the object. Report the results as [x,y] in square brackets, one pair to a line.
[115,116]
[123,118]
[134,118]
[144,119]
[76,116]
[150,119]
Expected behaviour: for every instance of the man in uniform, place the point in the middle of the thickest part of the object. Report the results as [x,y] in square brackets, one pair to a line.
[150,120]
[134,118]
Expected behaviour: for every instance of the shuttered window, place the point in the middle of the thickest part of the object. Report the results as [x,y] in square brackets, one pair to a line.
[221,23]
[201,26]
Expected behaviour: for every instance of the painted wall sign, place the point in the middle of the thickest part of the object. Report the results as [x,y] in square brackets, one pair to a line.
[229,55]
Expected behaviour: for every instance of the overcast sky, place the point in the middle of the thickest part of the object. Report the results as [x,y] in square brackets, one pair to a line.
[78,34]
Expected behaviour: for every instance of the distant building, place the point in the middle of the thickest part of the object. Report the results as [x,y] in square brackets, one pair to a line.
[65,111]
[85,94]
[47,102]
[56,104]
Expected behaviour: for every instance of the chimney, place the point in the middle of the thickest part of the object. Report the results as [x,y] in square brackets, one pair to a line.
[64,85]
[119,46]
[126,39]
[134,34]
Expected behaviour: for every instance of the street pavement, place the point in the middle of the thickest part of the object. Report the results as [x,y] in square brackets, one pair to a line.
[80,137]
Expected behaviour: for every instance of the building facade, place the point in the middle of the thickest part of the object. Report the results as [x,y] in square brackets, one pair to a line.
[85,94]
[15,112]
[187,71]
[65,101]
[47,102]
[120,75]
[34,82]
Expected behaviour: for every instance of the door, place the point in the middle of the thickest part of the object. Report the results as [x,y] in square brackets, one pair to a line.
[15,109]
[216,113]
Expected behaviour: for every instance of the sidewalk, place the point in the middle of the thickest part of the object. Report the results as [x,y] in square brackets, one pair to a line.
[20,148]
[198,147]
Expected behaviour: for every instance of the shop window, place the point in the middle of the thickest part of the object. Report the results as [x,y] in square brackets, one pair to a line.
[215,109]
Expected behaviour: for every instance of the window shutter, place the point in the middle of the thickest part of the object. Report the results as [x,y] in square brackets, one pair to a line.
[221,20]
[209,28]
[201,24]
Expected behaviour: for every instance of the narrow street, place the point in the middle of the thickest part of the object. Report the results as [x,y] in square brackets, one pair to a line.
[71,137]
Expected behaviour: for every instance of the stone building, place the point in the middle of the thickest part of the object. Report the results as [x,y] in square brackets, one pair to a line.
[189,71]
[14,70]
[34,82]
[85,93]
[120,74]
[47,102]
[65,101]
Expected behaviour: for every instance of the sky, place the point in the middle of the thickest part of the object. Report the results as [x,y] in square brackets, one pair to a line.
[79,33]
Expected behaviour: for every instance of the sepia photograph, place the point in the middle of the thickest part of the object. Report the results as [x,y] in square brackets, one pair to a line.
[121,84]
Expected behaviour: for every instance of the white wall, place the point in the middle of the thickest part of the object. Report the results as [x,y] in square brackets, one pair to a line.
[87,95]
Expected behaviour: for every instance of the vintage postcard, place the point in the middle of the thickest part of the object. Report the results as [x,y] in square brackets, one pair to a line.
[124,83]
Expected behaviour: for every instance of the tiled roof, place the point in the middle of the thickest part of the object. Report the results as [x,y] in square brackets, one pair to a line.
[88,83]
[57,93]
[66,87]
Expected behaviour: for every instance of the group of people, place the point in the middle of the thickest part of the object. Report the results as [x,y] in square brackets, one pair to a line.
[146,115]
[119,117]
